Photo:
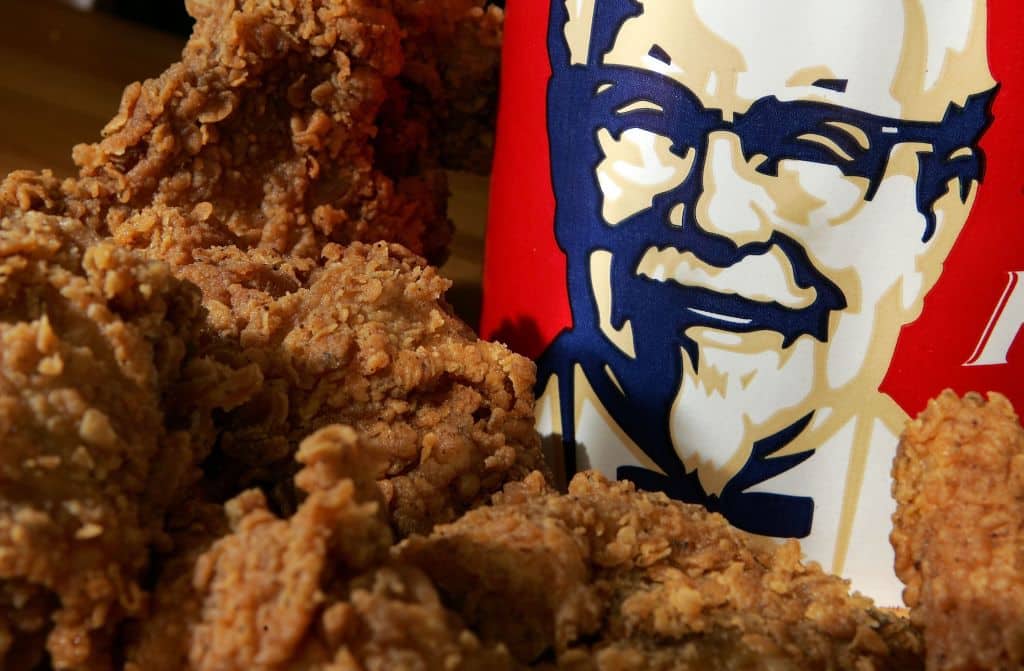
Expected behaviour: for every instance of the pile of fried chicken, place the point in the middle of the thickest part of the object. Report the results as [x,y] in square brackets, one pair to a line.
[240,428]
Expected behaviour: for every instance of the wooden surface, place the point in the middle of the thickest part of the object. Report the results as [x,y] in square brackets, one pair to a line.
[61,77]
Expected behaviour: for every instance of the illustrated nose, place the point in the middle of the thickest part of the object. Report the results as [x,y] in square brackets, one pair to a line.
[733,204]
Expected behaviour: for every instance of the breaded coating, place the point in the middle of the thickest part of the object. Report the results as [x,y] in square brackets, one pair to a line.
[91,337]
[958,531]
[287,128]
[157,639]
[288,125]
[24,623]
[366,339]
[610,578]
[315,591]
[267,127]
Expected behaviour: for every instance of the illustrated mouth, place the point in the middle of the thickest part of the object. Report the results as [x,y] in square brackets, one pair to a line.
[773,287]
[728,319]
[759,278]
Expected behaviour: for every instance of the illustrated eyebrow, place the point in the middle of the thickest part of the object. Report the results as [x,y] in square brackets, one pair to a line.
[838,85]
[660,54]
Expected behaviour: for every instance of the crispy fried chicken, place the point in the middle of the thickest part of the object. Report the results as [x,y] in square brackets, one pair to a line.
[365,339]
[286,128]
[315,591]
[602,578]
[288,125]
[610,578]
[959,531]
[91,337]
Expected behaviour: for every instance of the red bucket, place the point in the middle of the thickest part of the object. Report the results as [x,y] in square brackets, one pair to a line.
[746,241]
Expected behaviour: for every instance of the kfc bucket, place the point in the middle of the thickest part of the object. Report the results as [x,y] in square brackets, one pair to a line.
[746,240]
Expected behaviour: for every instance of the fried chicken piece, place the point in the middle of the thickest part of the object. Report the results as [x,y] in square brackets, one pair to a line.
[315,591]
[267,125]
[91,337]
[958,531]
[288,125]
[367,340]
[285,127]
[609,578]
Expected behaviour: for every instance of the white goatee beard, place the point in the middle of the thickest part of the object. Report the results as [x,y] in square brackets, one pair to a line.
[738,399]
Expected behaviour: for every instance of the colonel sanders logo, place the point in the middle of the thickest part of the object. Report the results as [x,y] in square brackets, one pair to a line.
[752,203]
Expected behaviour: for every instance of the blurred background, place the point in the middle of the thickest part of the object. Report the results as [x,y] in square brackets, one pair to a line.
[63,68]
[165,15]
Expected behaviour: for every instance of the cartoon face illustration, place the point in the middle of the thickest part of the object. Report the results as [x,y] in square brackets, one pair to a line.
[751,211]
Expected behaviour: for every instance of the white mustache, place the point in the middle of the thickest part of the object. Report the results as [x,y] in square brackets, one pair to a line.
[764,278]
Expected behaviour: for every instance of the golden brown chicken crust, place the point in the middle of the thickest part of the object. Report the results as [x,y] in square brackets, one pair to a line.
[288,125]
[267,126]
[157,639]
[25,611]
[365,339]
[609,578]
[959,531]
[314,591]
[91,337]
